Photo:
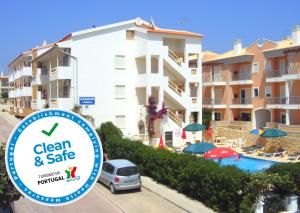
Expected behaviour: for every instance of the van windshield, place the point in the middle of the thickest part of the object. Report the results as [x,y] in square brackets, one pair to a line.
[127,171]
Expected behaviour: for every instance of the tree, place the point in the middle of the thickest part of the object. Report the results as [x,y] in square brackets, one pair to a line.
[206,116]
[8,192]
[153,114]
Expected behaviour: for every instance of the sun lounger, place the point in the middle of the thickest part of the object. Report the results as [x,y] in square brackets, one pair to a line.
[294,156]
[247,148]
[253,149]
[274,154]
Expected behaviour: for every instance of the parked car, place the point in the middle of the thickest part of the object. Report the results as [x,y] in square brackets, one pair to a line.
[120,175]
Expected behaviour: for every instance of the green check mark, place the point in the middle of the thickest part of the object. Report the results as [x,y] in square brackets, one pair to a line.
[51,130]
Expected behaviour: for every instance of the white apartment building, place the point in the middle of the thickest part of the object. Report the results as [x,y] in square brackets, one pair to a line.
[20,81]
[112,70]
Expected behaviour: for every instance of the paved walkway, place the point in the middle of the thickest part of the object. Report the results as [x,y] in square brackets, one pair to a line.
[185,203]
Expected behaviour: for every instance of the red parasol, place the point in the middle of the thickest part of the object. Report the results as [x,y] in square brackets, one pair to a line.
[220,152]
[183,135]
[161,143]
[209,132]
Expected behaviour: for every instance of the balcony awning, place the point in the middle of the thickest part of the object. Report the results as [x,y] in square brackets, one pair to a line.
[230,59]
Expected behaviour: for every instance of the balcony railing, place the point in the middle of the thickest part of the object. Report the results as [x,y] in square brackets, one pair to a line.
[283,100]
[241,76]
[274,73]
[210,101]
[212,78]
[242,101]
[276,100]
[294,100]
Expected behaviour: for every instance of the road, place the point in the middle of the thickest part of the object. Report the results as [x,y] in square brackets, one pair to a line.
[99,199]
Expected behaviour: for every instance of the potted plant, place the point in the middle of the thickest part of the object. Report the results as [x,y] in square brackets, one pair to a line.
[8,192]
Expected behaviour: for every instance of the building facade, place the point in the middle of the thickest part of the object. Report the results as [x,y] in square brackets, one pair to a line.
[4,86]
[112,70]
[255,87]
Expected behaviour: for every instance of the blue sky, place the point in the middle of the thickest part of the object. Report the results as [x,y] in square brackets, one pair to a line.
[25,24]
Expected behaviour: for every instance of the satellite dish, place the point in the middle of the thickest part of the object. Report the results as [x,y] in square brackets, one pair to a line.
[260,42]
[139,22]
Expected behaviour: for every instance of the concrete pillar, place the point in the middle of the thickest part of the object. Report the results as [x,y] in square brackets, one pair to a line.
[160,65]
[287,117]
[228,93]
[213,115]
[212,90]
[187,116]
[287,91]
[148,77]
[260,205]
[57,88]
[160,96]
[50,97]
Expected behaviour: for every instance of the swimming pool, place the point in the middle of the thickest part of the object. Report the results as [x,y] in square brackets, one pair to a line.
[248,164]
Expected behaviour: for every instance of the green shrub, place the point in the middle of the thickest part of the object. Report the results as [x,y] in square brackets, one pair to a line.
[290,169]
[8,192]
[204,180]
[201,179]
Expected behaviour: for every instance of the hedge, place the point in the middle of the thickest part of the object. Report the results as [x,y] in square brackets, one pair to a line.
[215,186]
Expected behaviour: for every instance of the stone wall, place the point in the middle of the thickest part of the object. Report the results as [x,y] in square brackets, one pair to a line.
[290,144]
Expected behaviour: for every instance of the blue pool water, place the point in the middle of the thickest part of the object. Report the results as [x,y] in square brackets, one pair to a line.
[248,164]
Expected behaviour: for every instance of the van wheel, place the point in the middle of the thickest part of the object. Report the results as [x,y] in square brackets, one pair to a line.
[139,189]
[112,189]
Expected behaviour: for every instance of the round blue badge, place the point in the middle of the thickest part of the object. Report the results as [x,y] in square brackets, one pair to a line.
[54,157]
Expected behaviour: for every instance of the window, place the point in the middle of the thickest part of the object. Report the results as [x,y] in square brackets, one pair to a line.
[169,138]
[268,91]
[255,67]
[217,73]
[120,121]
[268,66]
[217,116]
[128,171]
[256,92]
[110,168]
[120,92]
[129,34]
[120,62]
[245,116]
[104,167]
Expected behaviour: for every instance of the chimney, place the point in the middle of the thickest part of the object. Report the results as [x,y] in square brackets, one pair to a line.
[237,46]
[44,43]
[296,35]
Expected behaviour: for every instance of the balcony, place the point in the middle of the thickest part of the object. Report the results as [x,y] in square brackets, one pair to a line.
[216,103]
[241,78]
[292,102]
[243,125]
[274,76]
[61,72]
[213,80]
[276,101]
[292,74]
[20,92]
[38,104]
[41,77]
[64,103]
[25,71]
[243,103]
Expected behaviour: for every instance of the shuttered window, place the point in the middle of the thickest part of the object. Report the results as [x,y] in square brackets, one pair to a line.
[120,92]
[120,62]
